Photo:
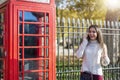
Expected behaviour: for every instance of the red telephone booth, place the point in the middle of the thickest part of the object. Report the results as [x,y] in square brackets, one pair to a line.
[27,40]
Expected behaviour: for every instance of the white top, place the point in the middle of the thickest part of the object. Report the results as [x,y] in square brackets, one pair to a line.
[93,55]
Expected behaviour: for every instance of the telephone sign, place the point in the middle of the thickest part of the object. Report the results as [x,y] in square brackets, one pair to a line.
[40,1]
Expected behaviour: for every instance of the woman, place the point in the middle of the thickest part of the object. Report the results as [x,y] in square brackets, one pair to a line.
[94,52]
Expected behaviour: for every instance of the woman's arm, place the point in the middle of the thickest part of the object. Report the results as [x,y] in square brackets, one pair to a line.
[80,51]
[105,58]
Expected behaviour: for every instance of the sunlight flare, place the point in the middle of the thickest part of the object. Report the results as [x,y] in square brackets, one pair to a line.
[112,3]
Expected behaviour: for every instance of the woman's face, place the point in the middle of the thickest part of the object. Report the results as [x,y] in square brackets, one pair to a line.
[92,33]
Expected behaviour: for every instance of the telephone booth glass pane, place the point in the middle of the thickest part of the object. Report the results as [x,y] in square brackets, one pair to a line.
[1,47]
[2,1]
[1,35]
[33,45]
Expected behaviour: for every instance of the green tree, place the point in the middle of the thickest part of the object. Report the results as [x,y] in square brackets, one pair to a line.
[88,9]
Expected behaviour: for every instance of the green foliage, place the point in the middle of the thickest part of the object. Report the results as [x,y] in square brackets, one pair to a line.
[72,61]
[87,9]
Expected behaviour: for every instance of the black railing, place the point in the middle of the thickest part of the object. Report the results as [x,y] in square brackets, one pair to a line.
[69,34]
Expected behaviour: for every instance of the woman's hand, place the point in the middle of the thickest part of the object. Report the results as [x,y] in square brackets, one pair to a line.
[85,36]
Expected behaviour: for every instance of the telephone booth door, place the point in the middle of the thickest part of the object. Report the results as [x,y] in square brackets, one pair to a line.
[34,39]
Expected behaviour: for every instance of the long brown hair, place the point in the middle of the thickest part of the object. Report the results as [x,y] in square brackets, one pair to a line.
[99,35]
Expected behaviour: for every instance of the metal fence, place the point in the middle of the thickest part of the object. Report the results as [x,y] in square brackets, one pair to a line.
[69,35]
